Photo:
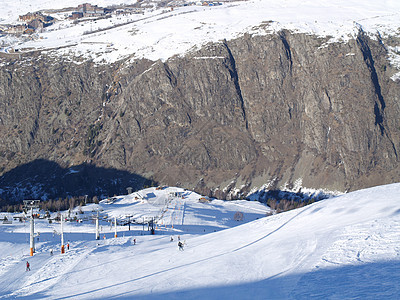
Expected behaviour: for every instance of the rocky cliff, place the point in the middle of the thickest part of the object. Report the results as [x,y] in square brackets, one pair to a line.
[236,115]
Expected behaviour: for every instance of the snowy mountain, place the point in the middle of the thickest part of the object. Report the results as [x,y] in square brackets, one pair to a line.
[339,248]
[230,99]
[163,29]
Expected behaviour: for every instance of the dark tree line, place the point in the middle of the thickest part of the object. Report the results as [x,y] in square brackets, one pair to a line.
[284,205]
[49,205]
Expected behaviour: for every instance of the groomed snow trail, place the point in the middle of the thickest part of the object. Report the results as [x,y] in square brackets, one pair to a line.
[338,248]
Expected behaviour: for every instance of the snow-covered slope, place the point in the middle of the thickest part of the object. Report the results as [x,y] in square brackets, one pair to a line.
[343,247]
[159,33]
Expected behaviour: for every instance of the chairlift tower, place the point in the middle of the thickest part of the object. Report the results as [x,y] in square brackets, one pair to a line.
[129,222]
[32,204]
[115,226]
[151,225]
[97,226]
[62,236]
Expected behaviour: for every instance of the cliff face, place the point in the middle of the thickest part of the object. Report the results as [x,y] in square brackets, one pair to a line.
[230,116]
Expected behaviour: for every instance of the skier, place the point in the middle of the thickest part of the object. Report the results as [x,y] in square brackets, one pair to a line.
[28,266]
[180,245]
[179,237]
[134,241]
[67,246]
[51,252]
[172,239]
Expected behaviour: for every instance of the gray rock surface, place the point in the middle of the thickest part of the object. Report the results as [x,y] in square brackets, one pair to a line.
[222,120]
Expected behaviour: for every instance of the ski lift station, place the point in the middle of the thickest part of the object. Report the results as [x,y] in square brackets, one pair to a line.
[176,194]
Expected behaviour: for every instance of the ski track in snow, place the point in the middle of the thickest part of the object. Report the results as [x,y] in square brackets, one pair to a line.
[50,271]
[343,247]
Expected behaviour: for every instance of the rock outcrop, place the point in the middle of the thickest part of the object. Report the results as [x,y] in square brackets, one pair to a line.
[222,120]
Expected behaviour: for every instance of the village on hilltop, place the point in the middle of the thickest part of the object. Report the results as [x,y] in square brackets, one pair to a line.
[36,22]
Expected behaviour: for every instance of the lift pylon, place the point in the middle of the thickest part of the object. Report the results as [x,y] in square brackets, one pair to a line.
[31,204]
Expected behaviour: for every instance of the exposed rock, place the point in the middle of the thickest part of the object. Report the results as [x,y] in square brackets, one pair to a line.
[229,117]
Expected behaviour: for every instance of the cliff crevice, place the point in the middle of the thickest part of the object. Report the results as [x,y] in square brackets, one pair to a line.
[379,106]
[235,77]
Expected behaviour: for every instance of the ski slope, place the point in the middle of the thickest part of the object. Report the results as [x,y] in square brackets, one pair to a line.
[347,247]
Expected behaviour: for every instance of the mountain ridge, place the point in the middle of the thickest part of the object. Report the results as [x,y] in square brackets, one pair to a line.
[222,120]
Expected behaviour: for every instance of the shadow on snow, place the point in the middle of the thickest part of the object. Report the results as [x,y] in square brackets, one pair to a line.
[377,280]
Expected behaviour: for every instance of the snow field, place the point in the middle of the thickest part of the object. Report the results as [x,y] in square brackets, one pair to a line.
[161,33]
[343,247]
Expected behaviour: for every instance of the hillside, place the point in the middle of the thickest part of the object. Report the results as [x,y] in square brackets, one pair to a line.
[226,100]
[343,247]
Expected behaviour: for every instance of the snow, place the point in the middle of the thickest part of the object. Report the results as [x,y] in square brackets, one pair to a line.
[162,33]
[345,247]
